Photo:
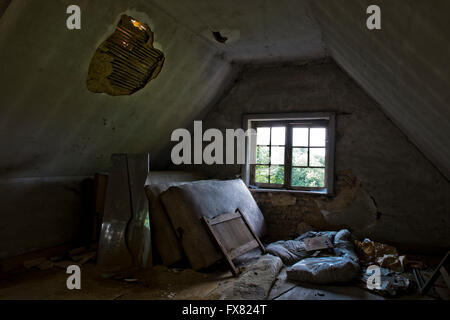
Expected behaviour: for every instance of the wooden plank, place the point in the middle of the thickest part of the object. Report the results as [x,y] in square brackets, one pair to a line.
[243,249]
[223,218]
[444,274]
[17,263]
[435,275]
[233,233]
[229,229]
[221,247]
[263,249]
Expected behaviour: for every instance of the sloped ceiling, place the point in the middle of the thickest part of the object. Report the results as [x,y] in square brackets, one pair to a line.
[51,125]
[3,5]
[259,30]
[405,66]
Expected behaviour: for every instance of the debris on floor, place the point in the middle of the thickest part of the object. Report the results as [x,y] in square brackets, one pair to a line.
[317,243]
[391,282]
[342,267]
[348,260]
[255,283]
[78,256]
[380,254]
[292,251]
[34,262]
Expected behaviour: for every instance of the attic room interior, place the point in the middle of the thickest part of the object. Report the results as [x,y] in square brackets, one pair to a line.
[225,150]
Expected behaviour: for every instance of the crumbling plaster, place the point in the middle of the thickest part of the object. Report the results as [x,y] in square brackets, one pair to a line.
[385,188]
[52,126]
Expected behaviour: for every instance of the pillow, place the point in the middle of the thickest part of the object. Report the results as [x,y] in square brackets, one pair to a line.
[338,269]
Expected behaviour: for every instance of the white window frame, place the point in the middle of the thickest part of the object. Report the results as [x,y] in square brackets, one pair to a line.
[250,121]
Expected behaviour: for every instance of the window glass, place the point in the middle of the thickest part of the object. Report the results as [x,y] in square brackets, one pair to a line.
[305,142]
[300,137]
[262,155]
[317,137]
[277,174]
[300,157]
[262,174]
[317,157]
[308,177]
[263,136]
[277,155]
[278,136]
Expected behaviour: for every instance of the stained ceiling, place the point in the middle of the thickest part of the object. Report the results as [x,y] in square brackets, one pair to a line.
[51,125]
[257,30]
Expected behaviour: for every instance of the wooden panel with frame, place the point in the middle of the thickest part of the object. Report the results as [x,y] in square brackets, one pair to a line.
[233,235]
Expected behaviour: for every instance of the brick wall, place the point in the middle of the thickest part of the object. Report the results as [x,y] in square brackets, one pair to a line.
[289,214]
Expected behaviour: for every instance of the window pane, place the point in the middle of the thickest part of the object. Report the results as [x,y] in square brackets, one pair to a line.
[262,174]
[277,155]
[317,138]
[300,137]
[308,177]
[317,157]
[300,157]
[278,135]
[263,136]
[277,174]
[262,155]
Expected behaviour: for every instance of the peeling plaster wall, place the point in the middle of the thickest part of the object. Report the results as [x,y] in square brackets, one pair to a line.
[385,188]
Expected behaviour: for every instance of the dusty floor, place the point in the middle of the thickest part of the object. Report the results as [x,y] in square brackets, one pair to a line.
[159,283]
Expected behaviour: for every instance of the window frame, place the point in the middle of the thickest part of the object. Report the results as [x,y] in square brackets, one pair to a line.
[291,120]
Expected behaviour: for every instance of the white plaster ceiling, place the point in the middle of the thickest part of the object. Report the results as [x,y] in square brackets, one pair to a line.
[50,125]
[257,30]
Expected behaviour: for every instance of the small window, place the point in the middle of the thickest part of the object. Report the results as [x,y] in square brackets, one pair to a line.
[291,152]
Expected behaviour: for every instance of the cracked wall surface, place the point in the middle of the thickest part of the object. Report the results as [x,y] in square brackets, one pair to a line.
[385,188]
[52,129]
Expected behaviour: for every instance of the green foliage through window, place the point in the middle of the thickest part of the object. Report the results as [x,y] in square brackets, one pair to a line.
[308,157]
[308,177]
[277,174]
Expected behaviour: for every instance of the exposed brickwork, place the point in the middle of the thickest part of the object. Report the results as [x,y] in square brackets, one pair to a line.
[290,214]
[386,190]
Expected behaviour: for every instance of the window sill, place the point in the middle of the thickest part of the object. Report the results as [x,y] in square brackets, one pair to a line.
[318,192]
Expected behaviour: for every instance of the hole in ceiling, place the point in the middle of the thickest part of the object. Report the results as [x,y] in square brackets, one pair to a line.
[218,36]
[126,61]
